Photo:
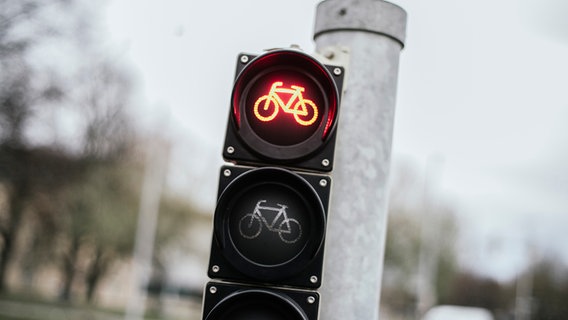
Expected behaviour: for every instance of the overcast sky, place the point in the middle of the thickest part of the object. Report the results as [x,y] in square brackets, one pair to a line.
[483,88]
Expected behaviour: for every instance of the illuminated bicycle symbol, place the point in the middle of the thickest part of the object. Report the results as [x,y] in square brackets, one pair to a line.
[250,226]
[302,109]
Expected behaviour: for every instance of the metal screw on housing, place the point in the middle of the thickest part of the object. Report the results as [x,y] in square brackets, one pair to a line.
[325,162]
[227,173]
[230,150]
[213,290]
[244,59]
[337,71]
[323,183]
[329,54]
[313,279]
[311,299]
[215,268]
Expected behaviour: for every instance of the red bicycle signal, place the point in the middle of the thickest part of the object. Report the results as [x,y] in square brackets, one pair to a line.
[284,109]
[305,111]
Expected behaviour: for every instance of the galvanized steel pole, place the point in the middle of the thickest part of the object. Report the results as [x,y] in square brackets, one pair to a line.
[373,34]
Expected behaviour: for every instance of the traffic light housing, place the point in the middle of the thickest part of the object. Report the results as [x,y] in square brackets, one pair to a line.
[237,302]
[269,226]
[272,203]
[284,108]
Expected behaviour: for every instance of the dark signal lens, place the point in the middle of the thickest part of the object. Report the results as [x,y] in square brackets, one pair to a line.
[229,301]
[256,305]
[270,223]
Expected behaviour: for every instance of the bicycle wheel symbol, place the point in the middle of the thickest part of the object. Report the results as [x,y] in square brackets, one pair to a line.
[303,116]
[266,108]
[250,226]
[290,231]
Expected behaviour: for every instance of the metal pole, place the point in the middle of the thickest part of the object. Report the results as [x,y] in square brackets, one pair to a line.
[153,184]
[373,33]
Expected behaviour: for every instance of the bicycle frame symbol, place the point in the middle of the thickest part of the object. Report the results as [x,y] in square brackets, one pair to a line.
[273,103]
[250,226]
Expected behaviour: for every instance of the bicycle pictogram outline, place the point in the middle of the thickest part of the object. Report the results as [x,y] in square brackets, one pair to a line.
[305,111]
[251,224]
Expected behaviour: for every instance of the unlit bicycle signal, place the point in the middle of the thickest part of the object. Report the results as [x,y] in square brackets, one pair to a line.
[269,226]
[288,229]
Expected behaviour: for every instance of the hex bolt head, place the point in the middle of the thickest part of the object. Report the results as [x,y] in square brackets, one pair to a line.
[329,54]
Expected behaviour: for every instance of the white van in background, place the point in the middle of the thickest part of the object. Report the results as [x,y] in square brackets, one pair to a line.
[457,313]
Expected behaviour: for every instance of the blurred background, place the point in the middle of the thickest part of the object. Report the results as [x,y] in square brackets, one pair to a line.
[112,119]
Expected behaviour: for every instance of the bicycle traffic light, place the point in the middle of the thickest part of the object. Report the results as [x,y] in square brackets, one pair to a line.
[229,301]
[284,108]
[272,204]
[269,226]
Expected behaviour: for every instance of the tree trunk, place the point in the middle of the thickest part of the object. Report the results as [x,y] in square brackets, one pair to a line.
[17,200]
[69,263]
[94,274]
[5,257]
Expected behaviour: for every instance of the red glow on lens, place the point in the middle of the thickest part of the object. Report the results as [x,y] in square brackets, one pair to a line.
[329,123]
[284,104]
[236,111]
[283,107]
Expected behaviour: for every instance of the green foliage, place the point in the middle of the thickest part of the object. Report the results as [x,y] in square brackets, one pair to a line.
[403,243]
[467,289]
[419,256]
[102,208]
[175,216]
[550,290]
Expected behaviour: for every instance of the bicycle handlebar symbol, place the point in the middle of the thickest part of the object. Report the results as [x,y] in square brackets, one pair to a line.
[250,225]
[273,103]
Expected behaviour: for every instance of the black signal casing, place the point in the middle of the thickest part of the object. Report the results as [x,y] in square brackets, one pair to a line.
[231,301]
[316,152]
[270,255]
